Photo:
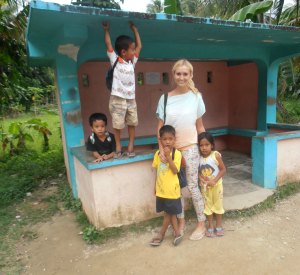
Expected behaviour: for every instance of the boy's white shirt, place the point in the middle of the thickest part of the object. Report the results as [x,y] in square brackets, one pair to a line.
[124,77]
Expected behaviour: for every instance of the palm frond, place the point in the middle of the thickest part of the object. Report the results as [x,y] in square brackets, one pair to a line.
[277,9]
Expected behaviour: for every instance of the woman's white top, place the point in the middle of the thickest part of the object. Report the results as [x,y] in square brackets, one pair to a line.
[182,111]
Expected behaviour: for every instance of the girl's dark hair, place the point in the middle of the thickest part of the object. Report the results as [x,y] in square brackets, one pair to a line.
[207,136]
[167,129]
[97,116]
[122,43]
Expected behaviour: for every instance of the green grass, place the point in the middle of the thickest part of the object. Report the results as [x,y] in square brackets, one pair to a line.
[23,173]
[49,116]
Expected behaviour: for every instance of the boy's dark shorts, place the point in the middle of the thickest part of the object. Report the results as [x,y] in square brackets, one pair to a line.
[170,206]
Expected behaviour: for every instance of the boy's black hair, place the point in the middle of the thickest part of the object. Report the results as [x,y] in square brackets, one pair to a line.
[97,116]
[122,43]
[167,129]
[207,136]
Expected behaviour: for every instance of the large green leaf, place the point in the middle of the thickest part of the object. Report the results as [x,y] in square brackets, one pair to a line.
[14,128]
[250,11]
[172,7]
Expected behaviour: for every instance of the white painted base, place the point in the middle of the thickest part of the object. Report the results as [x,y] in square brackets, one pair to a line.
[288,161]
[117,195]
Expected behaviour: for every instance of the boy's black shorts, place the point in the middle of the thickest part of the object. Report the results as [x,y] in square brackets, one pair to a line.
[170,206]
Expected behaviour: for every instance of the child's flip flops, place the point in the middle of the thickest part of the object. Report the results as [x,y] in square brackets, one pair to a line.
[156,241]
[177,240]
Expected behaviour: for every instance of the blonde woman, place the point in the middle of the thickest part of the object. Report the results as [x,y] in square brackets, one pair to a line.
[184,111]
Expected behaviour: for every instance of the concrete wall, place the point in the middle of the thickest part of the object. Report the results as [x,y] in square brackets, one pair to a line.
[231,98]
[243,96]
[117,195]
[215,94]
[243,103]
[288,161]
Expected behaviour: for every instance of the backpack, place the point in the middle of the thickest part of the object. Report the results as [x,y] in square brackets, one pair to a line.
[110,75]
[181,173]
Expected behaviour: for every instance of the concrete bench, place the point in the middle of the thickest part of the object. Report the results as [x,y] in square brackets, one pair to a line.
[150,144]
[218,131]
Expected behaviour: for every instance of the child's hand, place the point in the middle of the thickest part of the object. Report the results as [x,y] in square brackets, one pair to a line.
[162,156]
[132,26]
[203,182]
[211,182]
[203,179]
[167,153]
[105,25]
[98,159]
[105,157]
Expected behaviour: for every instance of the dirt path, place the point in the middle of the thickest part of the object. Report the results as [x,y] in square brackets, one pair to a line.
[265,244]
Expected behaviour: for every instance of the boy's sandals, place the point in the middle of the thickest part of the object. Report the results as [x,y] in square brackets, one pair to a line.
[210,233]
[156,241]
[118,155]
[197,235]
[181,231]
[219,232]
[131,154]
[177,240]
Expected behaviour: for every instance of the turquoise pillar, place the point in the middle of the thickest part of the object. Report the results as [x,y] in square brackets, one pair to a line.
[69,102]
[264,157]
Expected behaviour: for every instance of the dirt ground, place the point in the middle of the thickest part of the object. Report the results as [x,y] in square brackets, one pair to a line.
[268,243]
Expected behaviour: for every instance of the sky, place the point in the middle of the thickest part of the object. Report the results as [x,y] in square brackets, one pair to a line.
[129,5]
[135,5]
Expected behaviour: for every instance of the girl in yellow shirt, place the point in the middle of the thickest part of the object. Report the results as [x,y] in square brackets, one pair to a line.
[211,171]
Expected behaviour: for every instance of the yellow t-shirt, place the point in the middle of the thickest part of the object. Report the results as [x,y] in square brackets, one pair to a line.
[167,183]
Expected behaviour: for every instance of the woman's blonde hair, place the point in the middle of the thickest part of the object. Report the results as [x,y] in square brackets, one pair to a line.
[184,62]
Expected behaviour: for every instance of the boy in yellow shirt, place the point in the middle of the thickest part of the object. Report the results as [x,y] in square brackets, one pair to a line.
[167,188]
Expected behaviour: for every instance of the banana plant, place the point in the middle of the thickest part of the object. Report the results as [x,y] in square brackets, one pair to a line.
[252,11]
[290,16]
[42,128]
[7,139]
[18,132]
[172,7]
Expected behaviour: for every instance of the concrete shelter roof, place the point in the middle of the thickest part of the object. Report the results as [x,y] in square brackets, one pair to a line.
[55,29]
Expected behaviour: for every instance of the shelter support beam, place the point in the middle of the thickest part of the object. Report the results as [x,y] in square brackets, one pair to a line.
[70,112]
[267,89]
[264,155]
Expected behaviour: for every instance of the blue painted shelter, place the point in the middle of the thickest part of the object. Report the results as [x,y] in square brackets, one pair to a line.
[66,37]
